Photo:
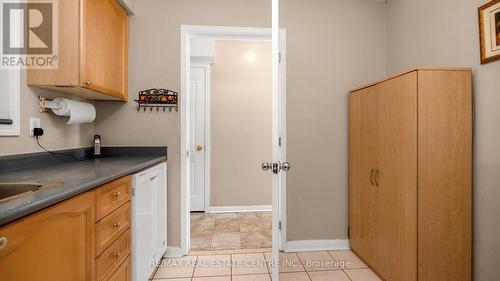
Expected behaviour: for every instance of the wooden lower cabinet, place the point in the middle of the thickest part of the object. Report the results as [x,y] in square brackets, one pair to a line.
[113,256]
[54,244]
[66,242]
[113,235]
[410,171]
[124,272]
[112,226]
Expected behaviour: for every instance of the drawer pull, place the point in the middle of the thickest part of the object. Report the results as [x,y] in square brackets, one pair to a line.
[117,225]
[117,195]
[3,242]
[116,255]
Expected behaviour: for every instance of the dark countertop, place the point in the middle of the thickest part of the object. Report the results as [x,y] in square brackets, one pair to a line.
[77,177]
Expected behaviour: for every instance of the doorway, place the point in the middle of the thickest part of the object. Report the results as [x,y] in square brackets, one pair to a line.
[231,134]
[189,148]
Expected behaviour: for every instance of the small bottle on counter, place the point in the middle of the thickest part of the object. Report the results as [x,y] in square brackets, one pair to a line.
[97,146]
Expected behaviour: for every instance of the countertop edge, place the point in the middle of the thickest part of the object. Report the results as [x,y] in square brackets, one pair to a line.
[42,204]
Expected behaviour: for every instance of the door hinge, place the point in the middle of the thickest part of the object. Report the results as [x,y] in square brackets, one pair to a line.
[279,141]
[279,57]
[279,225]
[133,191]
[348,232]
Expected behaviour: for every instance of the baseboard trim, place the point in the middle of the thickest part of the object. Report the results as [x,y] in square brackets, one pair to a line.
[317,245]
[173,252]
[237,209]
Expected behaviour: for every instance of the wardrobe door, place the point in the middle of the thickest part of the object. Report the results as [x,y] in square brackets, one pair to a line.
[361,147]
[395,220]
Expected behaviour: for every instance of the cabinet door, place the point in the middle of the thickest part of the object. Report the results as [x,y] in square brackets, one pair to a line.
[123,273]
[54,244]
[395,218]
[361,168]
[104,48]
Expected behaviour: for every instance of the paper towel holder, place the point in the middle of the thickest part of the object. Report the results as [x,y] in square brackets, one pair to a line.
[77,111]
[45,103]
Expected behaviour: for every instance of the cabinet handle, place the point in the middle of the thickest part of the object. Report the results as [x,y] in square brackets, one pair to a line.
[371,177]
[117,194]
[3,242]
[87,83]
[376,177]
[116,255]
[117,225]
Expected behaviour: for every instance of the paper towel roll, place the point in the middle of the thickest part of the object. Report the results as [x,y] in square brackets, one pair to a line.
[78,112]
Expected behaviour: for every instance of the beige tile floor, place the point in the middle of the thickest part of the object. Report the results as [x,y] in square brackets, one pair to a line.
[255,265]
[230,231]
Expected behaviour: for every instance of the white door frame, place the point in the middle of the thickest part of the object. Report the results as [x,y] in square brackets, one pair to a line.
[224,32]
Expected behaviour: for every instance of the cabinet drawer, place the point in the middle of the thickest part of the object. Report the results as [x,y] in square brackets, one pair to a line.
[113,256]
[111,196]
[111,227]
[123,273]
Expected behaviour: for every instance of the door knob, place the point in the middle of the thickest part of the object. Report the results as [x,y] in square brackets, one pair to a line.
[285,166]
[266,166]
[199,148]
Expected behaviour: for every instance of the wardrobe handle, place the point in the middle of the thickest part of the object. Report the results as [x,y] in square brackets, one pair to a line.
[371,177]
[376,177]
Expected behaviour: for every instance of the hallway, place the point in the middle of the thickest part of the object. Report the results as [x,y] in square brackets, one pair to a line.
[230,231]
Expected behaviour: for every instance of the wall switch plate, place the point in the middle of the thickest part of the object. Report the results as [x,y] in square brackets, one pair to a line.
[34,123]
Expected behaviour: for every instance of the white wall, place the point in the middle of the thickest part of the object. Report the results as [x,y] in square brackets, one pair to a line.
[57,135]
[332,47]
[202,50]
[241,124]
[445,33]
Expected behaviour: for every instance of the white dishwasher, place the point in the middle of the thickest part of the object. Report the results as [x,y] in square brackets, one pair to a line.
[149,220]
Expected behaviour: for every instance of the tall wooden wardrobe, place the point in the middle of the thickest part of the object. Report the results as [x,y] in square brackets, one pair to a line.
[410,172]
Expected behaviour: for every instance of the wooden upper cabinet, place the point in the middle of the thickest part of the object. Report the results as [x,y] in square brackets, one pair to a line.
[92,51]
[53,244]
[105,48]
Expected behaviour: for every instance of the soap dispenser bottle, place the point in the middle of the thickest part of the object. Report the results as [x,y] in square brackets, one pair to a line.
[97,146]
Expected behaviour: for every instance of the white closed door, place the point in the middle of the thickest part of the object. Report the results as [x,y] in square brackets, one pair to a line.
[197,152]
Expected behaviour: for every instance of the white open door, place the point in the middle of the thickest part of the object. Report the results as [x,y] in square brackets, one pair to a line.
[278,166]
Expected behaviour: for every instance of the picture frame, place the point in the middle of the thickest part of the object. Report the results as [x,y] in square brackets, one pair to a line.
[489,30]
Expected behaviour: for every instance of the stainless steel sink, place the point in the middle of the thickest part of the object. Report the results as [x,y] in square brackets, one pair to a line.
[11,190]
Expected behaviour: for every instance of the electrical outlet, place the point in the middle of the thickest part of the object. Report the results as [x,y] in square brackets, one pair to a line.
[34,123]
